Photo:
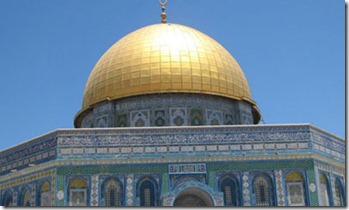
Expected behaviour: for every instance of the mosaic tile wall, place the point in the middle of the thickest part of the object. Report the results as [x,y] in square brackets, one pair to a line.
[28,154]
[157,110]
[234,140]
[33,181]
[245,171]
[133,152]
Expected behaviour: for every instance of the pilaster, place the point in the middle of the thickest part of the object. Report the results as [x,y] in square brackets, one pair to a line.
[130,190]
[280,191]
[94,190]
[246,193]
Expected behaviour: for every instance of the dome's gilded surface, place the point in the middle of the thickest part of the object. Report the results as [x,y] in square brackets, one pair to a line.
[165,58]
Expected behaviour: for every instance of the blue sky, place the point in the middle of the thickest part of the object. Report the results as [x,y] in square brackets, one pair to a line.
[291,51]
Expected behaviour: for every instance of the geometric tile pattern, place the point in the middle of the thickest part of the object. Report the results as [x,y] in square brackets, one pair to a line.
[94,190]
[130,190]
[246,189]
[95,153]
[313,198]
[280,195]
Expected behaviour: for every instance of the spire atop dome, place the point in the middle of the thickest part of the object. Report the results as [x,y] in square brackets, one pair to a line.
[163,14]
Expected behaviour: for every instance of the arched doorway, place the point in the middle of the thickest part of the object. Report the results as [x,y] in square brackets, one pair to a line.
[193,197]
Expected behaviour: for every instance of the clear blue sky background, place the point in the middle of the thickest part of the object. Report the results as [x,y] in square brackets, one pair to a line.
[291,51]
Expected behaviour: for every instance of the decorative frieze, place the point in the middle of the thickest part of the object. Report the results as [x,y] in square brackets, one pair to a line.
[205,139]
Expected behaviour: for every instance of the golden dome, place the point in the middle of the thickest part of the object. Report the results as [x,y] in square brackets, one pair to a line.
[165,58]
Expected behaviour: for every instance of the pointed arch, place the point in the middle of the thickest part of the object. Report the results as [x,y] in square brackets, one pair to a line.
[229,185]
[77,191]
[112,192]
[24,197]
[147,190]
[263,190]
[44,194]
[193,197]
[295,188]
[7,198]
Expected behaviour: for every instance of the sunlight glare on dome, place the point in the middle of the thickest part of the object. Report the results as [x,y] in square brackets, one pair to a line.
[165,58]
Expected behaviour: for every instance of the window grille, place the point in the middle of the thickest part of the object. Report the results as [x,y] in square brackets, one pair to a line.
[230,190]
[261,188]
[113,193]
[338,200]
[227,192]
[147,201]
[147,193]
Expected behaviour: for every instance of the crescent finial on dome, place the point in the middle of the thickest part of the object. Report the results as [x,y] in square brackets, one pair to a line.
[163,14]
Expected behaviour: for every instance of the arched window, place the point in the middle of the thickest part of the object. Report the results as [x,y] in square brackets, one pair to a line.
[7,199]
[324,190]
[295,189]
[230,188]
[112,192]
[147,192]
[263,190]
[24,197]
[77,191]
[340,197]
[45,194]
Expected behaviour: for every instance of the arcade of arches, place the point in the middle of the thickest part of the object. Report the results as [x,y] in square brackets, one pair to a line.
[113,192]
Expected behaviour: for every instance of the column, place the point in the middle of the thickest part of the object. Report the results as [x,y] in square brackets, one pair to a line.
[246,194]
[94,190]
[130,190]
[280,191]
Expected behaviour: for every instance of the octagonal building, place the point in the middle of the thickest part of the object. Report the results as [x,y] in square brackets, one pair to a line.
[168,119]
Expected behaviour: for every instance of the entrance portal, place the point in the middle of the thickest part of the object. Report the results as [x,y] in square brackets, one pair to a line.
[193,197]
